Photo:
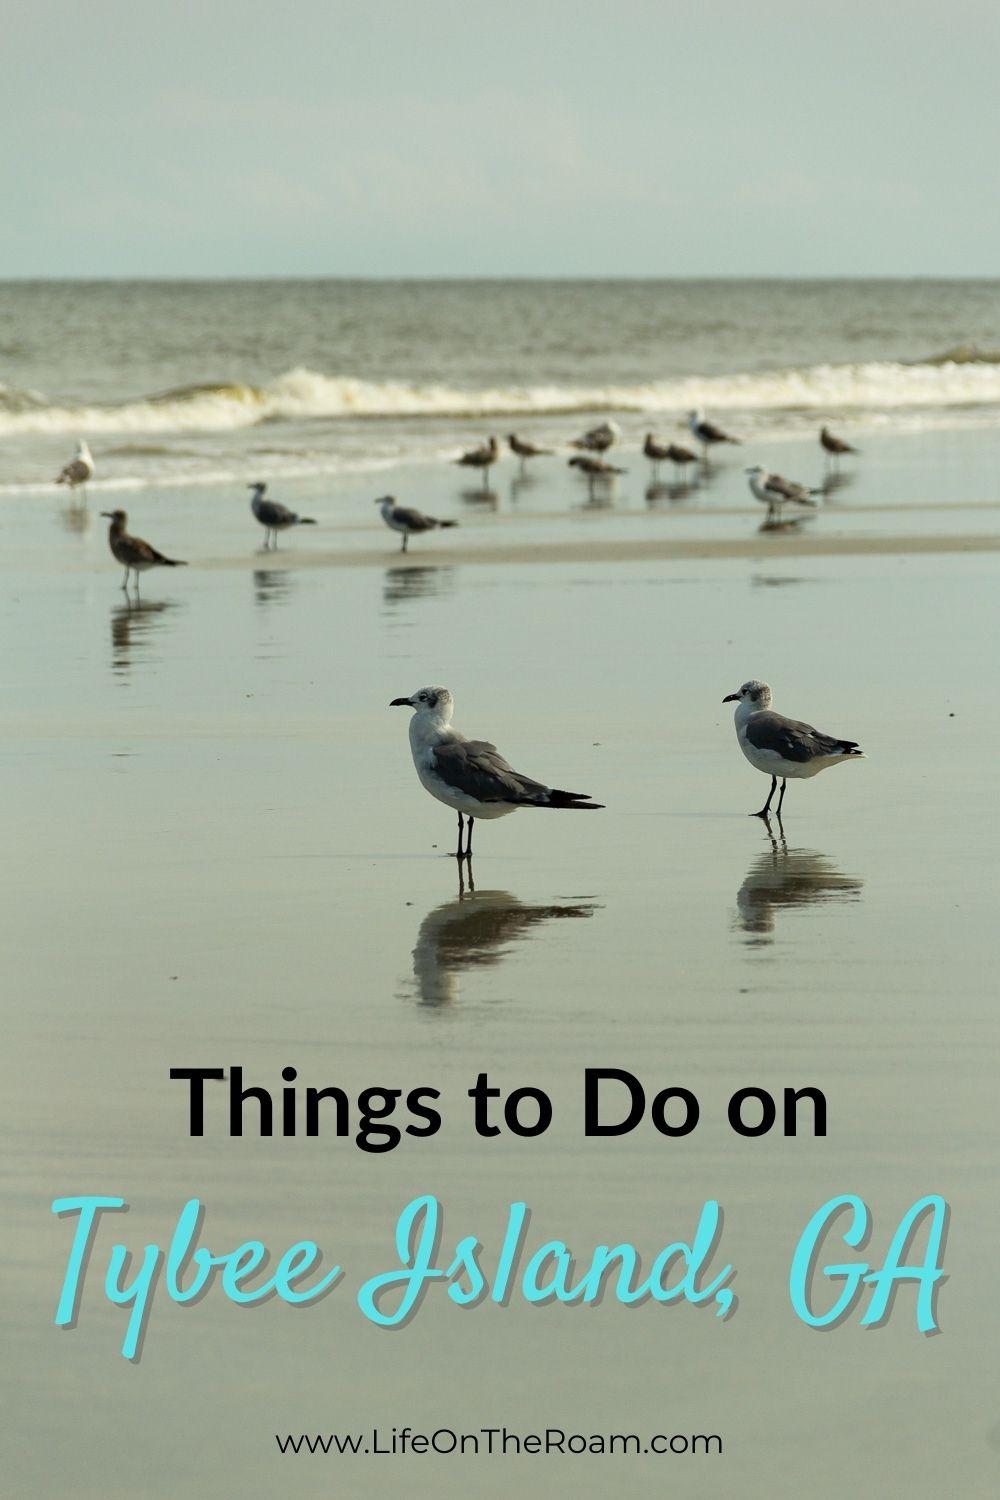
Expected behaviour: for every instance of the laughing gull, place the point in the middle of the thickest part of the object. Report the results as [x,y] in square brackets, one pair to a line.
[774,492]
[526,450]
[79,469]
[410,522]
[273,516]
[135,555]
[470,776]
[483,458]
[834,446]
[598,439]
[706,432]
[779,746]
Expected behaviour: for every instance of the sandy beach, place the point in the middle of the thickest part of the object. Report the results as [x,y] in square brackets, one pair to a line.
[223,858]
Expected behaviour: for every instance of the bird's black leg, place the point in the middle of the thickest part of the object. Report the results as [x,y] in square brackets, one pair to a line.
[781,799]
[125,584]
[767,805]
[460,852]
[468,839]
[406,538]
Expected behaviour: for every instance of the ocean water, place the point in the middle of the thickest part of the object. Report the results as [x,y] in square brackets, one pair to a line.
[213,382]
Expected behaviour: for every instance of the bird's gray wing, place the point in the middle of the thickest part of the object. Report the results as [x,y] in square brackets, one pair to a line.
[790,738]
[786,488]
[273,514]
[478,769]
[413,520]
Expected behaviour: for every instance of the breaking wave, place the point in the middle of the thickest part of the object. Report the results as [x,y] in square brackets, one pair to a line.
[957,378]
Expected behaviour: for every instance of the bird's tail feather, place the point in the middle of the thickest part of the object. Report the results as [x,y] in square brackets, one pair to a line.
[447,523]
[306,521]
[174,562]
[577,801]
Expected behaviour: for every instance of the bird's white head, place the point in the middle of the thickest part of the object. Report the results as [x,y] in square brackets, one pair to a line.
[82,451]
[697,415]
[432,704]
[757,472]
[387,504]
[751,697]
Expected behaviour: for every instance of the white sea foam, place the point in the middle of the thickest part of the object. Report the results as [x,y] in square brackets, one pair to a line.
[302,394]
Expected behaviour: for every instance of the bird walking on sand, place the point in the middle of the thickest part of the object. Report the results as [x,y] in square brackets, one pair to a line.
[273,516]
[135,555]
[598,439]
[707,434]
[470,776]
[406,520]
[774,492]
[483,457]
[782,747]
[526,450]
[79,469]
[834,446]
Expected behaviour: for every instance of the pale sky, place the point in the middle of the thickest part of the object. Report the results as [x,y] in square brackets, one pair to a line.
[558,137]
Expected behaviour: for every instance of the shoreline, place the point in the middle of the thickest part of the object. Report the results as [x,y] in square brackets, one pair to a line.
[757,549]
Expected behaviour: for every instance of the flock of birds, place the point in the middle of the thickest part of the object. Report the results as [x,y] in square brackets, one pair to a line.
[470,776]
[590,459]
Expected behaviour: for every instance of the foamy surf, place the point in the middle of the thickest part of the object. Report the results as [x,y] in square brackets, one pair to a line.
[302,394]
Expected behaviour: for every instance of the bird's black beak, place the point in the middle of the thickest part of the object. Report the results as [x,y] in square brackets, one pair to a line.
[400,703]
[731,698]
[109,513]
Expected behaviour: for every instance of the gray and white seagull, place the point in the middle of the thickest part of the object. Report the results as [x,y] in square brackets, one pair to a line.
[774,491]
[272,515]
[405,519]
[782,747]
[471,776]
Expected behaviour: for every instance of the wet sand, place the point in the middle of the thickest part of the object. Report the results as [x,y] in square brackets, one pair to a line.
[218,854]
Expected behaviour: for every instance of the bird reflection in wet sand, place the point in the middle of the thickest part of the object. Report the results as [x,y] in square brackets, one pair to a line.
[400,585]
[131,624]
[484,498]
[75,517]
[834,480]
[782,878]
[272,585]
[662,490]
[476,930]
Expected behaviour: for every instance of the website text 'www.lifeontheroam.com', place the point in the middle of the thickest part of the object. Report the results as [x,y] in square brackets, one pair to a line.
[485,1441]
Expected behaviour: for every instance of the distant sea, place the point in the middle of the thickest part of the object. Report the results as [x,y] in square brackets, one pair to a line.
[210,382]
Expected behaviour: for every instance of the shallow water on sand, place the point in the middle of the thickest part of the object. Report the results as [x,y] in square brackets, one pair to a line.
[218,854]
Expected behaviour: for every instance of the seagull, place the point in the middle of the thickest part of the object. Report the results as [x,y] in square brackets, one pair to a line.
[779,746]
[657,453]
[410,522]
[598,439]
[483,458]
[774,492]
[135,555]
[594,468]
[681,456]
[706,432]
[79,469]
[470,776]
[273,516]
[526,450]
[834,446]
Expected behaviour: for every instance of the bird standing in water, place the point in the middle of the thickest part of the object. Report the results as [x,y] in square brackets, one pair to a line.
[782,747]
[79,469]
[135,555]
[405,519]
[470,776]
[273,516]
